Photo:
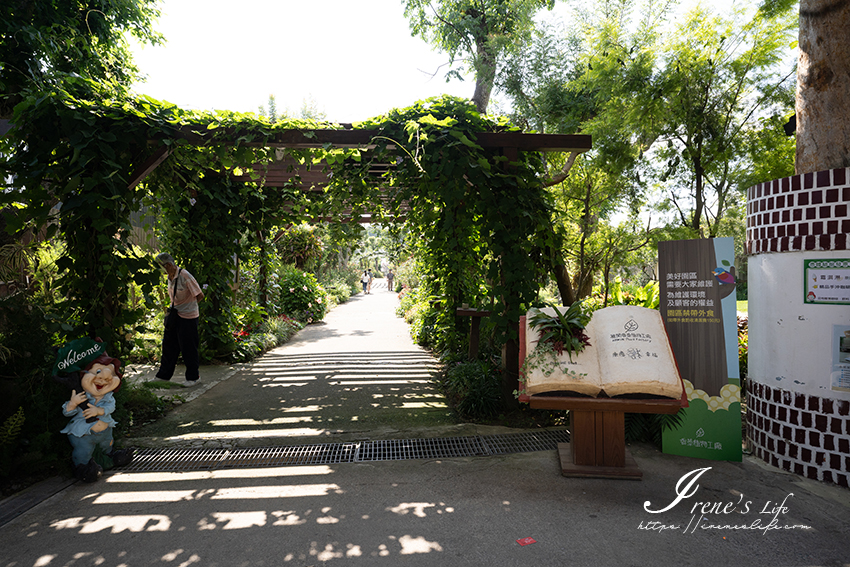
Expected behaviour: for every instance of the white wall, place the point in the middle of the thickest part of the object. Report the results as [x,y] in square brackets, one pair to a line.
[791,343]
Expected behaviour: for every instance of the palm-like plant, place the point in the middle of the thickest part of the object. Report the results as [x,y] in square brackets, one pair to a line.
[564,331]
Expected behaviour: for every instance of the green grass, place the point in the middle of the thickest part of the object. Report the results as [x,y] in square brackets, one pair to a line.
[742,306]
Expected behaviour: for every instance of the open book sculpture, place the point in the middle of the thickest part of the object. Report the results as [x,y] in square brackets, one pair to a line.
[629,353]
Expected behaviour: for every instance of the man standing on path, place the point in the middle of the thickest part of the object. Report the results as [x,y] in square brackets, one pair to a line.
[390,276]
[181,330]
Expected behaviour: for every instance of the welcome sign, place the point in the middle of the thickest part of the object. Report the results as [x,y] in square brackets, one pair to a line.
[77,355]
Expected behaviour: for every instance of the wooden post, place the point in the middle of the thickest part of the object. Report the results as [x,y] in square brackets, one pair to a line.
[510,352]
[475,328]
[264,271]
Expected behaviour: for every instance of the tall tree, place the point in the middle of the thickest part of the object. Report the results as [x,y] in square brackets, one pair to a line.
[823,84]
[719,77]
[585,82]
[42,40]
[476,31]
[271,113]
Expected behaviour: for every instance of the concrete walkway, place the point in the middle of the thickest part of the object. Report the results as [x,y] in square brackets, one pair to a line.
[357,376]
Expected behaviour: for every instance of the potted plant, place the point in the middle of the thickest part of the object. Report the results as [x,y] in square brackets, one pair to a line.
[559,334]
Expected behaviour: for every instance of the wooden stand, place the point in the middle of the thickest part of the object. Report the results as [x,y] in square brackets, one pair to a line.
[475,328]
[597,447]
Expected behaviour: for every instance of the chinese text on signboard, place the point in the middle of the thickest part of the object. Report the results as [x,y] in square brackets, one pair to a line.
[687,301]
[827,281]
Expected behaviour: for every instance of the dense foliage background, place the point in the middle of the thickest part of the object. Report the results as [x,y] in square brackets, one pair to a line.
[685,114]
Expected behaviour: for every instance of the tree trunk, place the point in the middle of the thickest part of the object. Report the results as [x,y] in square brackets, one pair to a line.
[565,288]
[823,84]
[699,194]
[584,285]
[485,76]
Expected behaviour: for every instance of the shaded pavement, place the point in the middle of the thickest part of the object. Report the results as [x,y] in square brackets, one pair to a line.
[358,376]
[355,375]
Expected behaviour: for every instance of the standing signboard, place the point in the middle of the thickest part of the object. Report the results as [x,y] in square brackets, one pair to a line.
[699,308]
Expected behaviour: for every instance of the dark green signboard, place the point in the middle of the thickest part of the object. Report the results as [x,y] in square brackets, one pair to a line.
[699,308]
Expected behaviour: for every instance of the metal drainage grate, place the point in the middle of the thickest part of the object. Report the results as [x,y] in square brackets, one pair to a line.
[185,460]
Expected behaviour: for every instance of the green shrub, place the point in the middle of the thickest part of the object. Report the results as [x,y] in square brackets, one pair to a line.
[301,296]
[30,401]
[473,389]
[251,345]
[255,340]
[648,427]
[283,328]
[340,284]
[10,431]
[417,310]
[136,405]
[338,294]
[299,245]
[648,296]
[409,274]
[743,352]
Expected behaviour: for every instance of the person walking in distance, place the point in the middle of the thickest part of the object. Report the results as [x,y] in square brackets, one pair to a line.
[181,322]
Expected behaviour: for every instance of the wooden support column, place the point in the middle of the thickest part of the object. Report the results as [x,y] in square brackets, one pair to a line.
[510,352]
[598,438]
[475,328]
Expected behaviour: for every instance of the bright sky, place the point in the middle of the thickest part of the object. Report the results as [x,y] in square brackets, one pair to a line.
[355,58]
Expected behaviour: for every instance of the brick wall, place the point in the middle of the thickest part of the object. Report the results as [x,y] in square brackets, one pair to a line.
[803,434]
[803,212]
[795,431]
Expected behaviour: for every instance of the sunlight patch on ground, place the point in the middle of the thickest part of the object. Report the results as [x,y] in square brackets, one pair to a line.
[271,472]
[381,382]
[409,377]
[302,409]
[275,421]
[239,520]
[253,434]
[236,493]
[411,545]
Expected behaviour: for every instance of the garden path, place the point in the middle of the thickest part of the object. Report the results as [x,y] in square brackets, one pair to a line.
[335,380]
[355,375]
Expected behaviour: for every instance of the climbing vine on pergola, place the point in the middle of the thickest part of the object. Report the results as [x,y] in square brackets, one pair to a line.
[467,186]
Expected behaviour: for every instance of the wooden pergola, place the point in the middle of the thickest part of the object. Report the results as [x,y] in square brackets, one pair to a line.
[283,172]
[314,178]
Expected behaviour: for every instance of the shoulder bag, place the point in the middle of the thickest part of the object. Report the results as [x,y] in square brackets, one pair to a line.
[171,315]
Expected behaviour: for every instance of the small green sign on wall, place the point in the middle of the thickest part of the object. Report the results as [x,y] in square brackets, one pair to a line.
[827,281]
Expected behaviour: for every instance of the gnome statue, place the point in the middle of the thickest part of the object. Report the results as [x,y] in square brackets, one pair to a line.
[92,376]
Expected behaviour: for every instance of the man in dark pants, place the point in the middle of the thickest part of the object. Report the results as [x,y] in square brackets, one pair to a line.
[181,334]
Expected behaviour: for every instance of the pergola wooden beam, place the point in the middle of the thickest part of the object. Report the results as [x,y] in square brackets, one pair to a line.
[282,172]
[363,138]
[150,164]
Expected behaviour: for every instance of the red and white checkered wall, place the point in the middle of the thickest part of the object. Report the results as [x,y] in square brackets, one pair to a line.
[799,213]
[796,431]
